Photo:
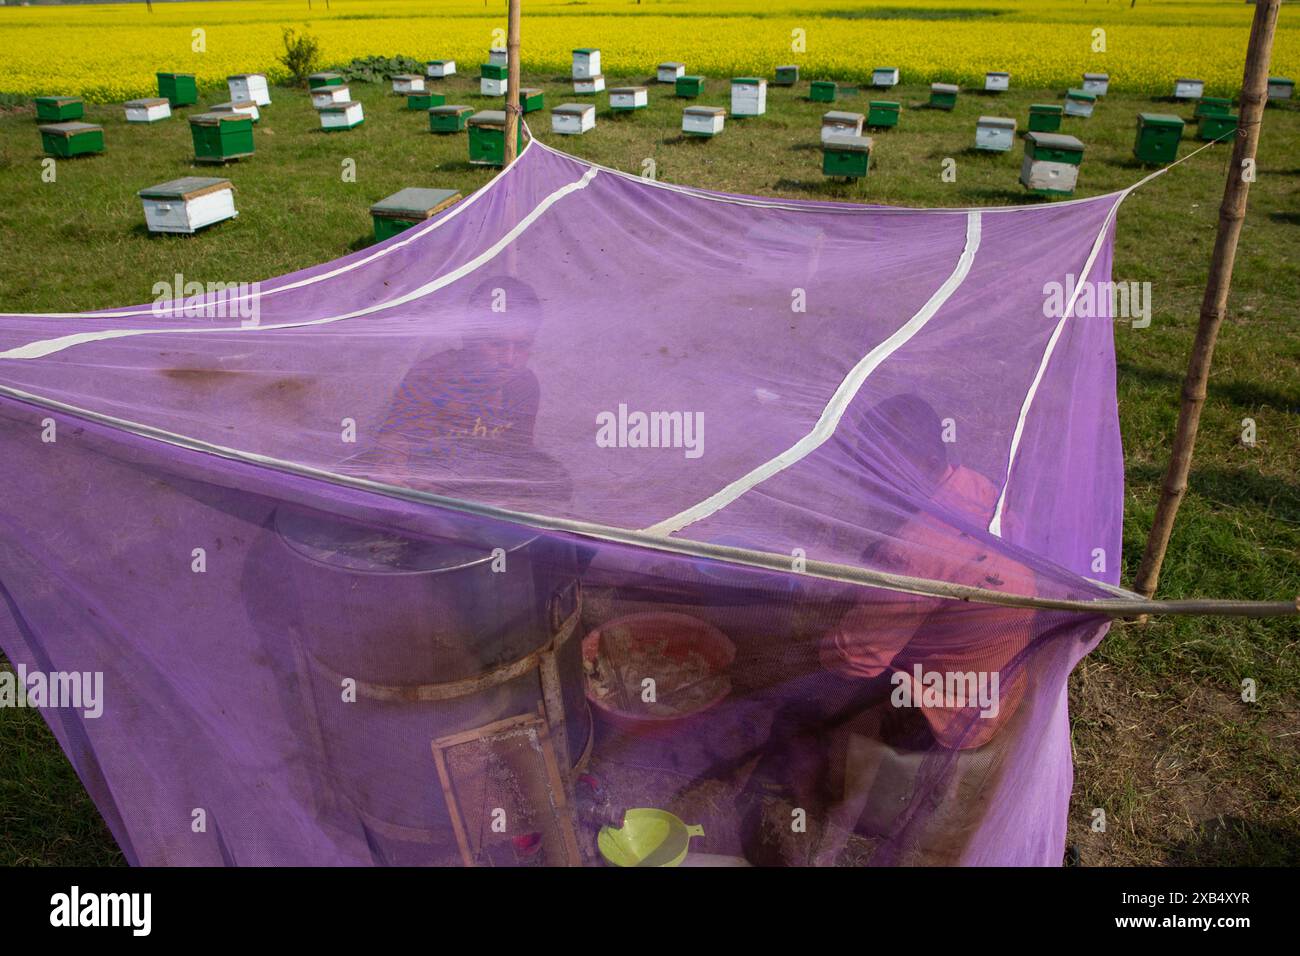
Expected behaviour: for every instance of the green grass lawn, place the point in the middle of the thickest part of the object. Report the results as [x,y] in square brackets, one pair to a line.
[1185,771]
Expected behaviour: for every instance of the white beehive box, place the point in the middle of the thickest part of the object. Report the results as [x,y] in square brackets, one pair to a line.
[187,205]
[239,107]
[629,98]
[995,133]
[668,72]
[589,84]
[997,81]
[323,96]
[1096,83]
[493,85]
[499,57]
[748,96]
[1280,88]
[341,116]
[703,120]
[839,123]
[440,68]
[573,119]
[249,86]
[408,83]
[586,63]
[884,76]
[1079,103]
[1187,89]
[147,110]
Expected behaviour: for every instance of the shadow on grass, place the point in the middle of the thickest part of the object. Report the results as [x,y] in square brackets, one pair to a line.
[1232,486]
[837,189]
[1245,394]
[1233,841]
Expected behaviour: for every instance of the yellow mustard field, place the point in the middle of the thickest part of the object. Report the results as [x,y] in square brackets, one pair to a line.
[110,52]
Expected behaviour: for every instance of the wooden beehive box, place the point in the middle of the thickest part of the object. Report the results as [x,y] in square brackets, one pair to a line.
[1188,89]
[1280,88]
[487,138]
[689,87]
[589,85]
[586,63]
[882,114]
[221,137]
[996,134]
[786,75]
[573,119]
[493,80]
[703,120]
[884,76]
[409,207]
[748,96]
[249,86]
[1216,126]
[187,205]
[1079,103]
[323,96]
[325,79]
[624,99]
[822,91]
[181,89]
[1045,118]
[1051,163]
[149,110]
[341,116]
[1096,83]
[450,118]
[406,83]
[1209,105]
[840,123]
[499,57]
[424,101]
[846,156]
[59,109]
[943,96]
[440,68]
[1157,140]
[531,99]
[997,81]
[66,140]
[241,107]
[668,72]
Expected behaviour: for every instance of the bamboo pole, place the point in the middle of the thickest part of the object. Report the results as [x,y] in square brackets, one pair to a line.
[513,112]
[1232,212]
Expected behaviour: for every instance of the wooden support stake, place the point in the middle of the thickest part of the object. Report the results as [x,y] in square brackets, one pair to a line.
[1254,94]
[513,113]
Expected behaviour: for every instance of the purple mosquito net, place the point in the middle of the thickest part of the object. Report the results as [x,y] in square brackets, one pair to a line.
[589,494]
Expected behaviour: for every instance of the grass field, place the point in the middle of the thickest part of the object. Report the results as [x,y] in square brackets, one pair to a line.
[1186,772]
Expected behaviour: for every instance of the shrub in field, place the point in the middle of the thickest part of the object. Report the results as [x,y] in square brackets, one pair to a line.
[376,69]
[301,54]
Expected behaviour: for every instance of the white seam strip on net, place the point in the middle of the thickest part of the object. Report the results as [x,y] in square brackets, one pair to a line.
[409,236]
[44,347]
[839,402]
[995,525]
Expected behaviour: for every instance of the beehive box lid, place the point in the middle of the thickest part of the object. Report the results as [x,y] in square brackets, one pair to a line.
[1159,119]
[1080,95]
[884,69]
[1045,108]
[841,116]
[1001,122]
[451,109]
[407,76]
[488,118]
[216,119]
[846,143]
[150,101]
[246,76]
[586,49]
[574,108]
[530,90]
[693,77]
[190,75]
[1055,141]
[823,82]
[493,71]
[1281,81]
[68,129]
[886,105]
[997,73]
[331,90]
[943,87]
[749,80]
[1096,76]
[232,105]
[187,187]
[672,65]
[414,202]
[336,107]
[437,62]
[589,79]
[788,66]
[1225,100]
[627,89]
[1185,79]
[320,77]
[705,110]
[58,100]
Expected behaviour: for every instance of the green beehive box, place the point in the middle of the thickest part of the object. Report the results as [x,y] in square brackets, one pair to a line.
[1157,138]
[324,79]
[1051,164]
[1213,106]
[689,86]
[882,114]
[407,208]
[221,137]
[487,138]
[1045,118]
[531,99]
[786,75]
[493,71]
[424,101]
[846,155]
[59,109]
[1054,148]
[180,89]
[822,91]
[943,96]
[1214,126]
[449,119]
[72,139]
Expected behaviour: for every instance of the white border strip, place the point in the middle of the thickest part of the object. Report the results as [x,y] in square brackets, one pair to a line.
[839,402]
[44,347]
[408,236]
[995,525]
